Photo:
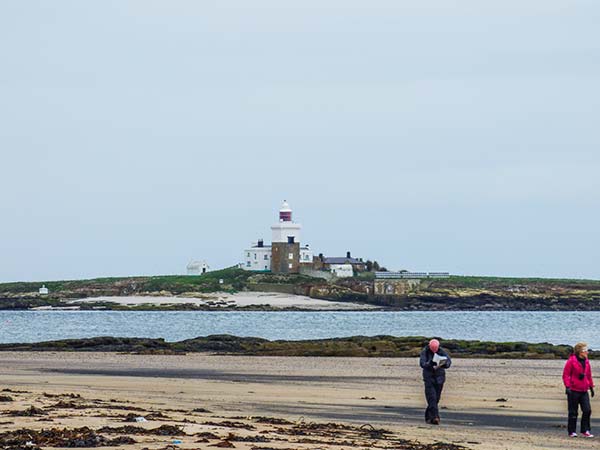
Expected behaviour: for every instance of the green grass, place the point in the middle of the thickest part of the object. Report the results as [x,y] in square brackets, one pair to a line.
[234,279]
[208,282]
[364,276]
[54,286]
[478,282]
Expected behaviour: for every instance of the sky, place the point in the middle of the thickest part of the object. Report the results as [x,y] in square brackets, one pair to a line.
[456,136]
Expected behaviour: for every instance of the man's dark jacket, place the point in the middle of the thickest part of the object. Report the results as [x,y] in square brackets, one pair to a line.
[429,373]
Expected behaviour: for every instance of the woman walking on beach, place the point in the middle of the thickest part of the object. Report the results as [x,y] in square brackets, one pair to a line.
[577,377]
[434,361]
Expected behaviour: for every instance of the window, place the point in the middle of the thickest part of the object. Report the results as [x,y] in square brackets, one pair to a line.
[248,255]
[290,265]
[255,256]
[291,256]
[266,257]
[247,263]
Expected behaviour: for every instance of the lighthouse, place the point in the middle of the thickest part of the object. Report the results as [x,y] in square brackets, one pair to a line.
[285,243]
[284,255]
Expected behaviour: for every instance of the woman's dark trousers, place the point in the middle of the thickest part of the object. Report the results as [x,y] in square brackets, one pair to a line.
[577,399]
[433,393]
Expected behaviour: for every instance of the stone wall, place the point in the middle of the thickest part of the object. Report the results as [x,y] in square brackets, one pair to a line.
[395,286]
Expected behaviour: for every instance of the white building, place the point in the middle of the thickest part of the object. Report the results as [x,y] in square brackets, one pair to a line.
[258,257]
[197,267]
[43,290]
[306,255]
[342,270]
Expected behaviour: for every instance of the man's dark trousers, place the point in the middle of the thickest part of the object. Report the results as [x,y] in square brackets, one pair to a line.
[433,394]
[576,399]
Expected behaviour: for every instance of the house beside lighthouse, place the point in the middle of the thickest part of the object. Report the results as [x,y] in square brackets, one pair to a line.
[258,257]
[285,254]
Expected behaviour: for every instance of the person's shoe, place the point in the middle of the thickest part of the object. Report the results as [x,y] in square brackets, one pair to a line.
[573,435]
[435,421]
[587,434]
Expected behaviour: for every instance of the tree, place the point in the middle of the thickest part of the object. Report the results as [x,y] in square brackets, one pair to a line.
[375,265]
[369,265]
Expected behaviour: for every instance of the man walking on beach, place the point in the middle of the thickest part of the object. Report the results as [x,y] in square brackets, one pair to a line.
[434,361]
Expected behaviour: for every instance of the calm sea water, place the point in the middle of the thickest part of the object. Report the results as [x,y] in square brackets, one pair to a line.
[553,327]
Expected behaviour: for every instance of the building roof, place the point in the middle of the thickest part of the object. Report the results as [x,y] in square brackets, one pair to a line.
[341,260]
[197,264]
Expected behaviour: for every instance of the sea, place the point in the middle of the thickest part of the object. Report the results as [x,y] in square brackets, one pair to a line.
[534,327]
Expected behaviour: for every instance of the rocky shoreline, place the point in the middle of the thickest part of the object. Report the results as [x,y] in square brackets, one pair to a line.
[487,302]
[356,346]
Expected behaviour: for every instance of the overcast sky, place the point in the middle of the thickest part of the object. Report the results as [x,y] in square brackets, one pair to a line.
[436,135]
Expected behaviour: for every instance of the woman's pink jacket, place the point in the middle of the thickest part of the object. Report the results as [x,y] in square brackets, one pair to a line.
[571,375]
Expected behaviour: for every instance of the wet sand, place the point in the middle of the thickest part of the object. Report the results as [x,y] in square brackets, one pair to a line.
[382,392]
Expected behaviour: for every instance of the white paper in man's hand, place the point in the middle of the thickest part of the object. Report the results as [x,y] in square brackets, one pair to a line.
[439,360]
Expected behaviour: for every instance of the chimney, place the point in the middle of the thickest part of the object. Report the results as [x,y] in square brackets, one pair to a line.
[348,255]
[321,257]
[261,243]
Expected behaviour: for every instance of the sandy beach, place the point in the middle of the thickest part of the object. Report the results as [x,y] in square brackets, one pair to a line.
[240,299]
[283,403]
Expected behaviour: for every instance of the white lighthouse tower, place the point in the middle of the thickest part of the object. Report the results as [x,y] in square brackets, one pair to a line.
[286,230]
[285,246]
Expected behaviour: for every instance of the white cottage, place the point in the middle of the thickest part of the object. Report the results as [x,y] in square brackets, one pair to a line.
[342,270]
[197,267]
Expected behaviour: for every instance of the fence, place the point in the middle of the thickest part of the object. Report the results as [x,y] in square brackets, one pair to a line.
[410,275]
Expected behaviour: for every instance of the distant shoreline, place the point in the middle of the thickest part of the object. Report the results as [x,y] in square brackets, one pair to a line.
[211,291]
